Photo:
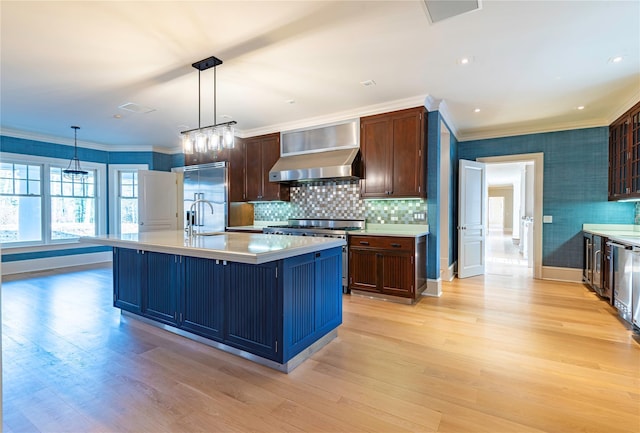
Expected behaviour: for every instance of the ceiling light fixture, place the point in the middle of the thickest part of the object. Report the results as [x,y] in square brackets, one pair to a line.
[213,137]
[477,110]
[580,107]
[73,171]
[616,59]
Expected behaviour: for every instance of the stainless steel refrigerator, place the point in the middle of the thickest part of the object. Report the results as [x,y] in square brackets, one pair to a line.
[206,182]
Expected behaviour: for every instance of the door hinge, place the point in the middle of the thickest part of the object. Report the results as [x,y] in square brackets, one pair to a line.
[276,346]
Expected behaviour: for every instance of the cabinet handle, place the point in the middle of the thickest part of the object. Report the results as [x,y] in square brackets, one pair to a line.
[364,243]
[396,245]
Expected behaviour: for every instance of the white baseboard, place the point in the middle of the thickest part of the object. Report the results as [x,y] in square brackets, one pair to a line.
[33,265]
[434,288]
[448,274]
[562,274]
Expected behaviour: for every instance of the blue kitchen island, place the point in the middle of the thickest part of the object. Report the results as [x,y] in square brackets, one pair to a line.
[272,299]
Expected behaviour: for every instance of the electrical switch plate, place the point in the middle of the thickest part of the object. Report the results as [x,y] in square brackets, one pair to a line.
[547,219]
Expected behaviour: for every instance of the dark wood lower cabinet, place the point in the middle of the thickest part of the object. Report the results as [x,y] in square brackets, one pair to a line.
[394,266]
[273,310]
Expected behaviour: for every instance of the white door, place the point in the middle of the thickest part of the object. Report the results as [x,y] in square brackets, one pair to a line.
[472,219]
[157,200]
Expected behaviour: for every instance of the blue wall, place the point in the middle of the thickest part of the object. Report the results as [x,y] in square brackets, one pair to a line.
[155,161]
[575,185]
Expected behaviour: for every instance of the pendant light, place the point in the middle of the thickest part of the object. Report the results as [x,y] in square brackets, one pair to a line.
[73,171]
[214,137]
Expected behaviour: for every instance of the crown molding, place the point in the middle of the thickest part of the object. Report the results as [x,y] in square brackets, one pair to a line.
[336,117]
[624,107]
[440,105]
[34,136]
[511,131]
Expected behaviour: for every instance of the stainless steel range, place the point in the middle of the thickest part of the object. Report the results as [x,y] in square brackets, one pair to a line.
[328,228]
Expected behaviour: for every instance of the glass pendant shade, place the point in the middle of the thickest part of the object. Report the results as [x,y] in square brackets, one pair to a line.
[228,137]
[201,142]
[187,144]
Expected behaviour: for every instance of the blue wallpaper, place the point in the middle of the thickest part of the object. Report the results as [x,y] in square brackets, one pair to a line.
[575,185]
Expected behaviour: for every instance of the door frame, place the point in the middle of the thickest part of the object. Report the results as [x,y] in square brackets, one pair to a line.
[538,183]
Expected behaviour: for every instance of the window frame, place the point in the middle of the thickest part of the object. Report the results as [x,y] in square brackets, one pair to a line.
[114,192]
[45,164]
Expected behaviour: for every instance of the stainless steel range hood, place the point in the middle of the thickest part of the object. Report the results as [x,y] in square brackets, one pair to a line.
[321,153]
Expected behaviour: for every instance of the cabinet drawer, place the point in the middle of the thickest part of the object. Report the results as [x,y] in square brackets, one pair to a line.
[383,242]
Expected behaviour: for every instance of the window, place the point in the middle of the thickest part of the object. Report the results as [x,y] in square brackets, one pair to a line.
[128,193]
[20,202]
[38,206]
[123,196]
[73,205]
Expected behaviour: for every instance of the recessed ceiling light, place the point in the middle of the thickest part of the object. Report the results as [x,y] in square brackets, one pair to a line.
[117,116]
[368,83]
[580,107]
[290,101]
[464,61]
[477,110]
[616,59]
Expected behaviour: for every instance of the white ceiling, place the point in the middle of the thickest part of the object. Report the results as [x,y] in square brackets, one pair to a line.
[532,63]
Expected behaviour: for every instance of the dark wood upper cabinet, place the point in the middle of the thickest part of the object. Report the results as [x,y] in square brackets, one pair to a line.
[394,154]
[261,153]
[236,174]
[624,156]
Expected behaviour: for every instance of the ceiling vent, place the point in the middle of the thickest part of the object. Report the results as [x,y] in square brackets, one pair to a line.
[439,10]
[136,108]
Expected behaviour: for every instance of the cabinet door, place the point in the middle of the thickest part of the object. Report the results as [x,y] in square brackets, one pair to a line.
[376,147]
[270,155]
[618,159]
[129,278]
[363,269]
[408,144]
[397,274]
[202,300]
[253,309]
[634,151]
[253,169]
[160,294]
[237,172]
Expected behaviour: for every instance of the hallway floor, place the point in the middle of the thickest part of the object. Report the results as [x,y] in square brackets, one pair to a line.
[503,257]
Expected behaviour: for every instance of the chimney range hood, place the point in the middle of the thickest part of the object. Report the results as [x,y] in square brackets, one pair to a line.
[322,153]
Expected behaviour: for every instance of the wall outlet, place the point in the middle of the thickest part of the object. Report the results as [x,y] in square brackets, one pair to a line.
[419,216]
[547,219]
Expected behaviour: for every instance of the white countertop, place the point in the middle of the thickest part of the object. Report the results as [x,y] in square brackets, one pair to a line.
[628,234]
[401,230]
[252,248]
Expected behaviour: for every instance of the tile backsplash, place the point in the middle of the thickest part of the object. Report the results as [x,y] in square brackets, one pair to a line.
[340,199]
[637,214]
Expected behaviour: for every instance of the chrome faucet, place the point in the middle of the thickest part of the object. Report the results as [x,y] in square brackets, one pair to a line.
[190,219]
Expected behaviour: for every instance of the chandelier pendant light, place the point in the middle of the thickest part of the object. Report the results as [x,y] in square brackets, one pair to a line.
[214,137]
[74,171]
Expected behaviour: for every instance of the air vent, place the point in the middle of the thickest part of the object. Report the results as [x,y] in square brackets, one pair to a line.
[439,10]
[136,108]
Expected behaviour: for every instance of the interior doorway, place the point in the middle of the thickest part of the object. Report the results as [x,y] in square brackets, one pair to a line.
[514,208]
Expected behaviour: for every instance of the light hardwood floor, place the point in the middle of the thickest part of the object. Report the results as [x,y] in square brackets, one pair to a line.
[493,354]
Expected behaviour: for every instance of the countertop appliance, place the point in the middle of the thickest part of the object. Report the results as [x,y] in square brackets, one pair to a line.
[329,228]
[204,184]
